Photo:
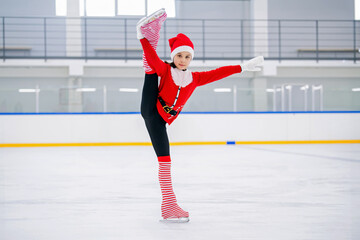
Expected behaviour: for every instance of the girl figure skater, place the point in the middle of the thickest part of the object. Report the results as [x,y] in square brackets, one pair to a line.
[161,104]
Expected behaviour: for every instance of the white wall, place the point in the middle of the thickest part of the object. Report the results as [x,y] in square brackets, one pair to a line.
[213,9]
[310,9]
[187,128]
[23,8]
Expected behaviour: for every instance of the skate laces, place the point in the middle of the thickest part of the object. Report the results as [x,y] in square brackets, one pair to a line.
[154,22]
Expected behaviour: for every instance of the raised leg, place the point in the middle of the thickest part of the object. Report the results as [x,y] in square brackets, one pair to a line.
[150,28]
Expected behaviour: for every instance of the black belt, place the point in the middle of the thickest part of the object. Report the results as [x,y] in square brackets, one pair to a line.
[166,108]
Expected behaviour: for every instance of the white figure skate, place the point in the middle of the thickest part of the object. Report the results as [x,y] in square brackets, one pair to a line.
[146,20]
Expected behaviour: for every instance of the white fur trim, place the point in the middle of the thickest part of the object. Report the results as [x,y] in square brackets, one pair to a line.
[182,49]
[181,78]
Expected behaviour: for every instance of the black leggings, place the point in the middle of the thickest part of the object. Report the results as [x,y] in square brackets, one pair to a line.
[155,125]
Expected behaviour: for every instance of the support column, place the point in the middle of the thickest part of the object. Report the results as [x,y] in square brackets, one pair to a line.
[74,97]
[260,27]
[73,29]
[260,94]
[74,49]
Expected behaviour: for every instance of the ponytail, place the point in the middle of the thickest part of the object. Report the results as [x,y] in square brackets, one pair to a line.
[172,64]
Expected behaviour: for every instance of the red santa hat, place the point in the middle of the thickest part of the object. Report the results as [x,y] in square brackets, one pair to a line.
[181,43]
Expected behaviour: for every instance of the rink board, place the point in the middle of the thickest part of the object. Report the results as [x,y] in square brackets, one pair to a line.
[36,130]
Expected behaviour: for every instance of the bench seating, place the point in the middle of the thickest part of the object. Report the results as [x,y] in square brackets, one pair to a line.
[15,50]
[330,51]
[118,51]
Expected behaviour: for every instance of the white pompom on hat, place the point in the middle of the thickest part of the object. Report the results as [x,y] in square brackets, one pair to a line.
[181,43]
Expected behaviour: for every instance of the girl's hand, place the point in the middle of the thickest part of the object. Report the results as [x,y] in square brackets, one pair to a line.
[253,64]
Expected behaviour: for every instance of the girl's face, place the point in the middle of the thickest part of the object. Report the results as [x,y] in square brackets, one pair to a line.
[182,60]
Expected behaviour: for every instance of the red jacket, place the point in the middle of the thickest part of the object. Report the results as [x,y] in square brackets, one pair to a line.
[172,79]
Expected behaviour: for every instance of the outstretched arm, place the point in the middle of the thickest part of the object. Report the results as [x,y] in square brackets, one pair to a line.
[222,72]
[152,58]
[216,74]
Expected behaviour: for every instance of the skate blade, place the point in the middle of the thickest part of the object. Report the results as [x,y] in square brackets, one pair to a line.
[157,13]
[151,17]
[175,220]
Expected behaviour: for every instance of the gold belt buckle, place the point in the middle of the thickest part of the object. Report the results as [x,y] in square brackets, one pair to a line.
[167,109]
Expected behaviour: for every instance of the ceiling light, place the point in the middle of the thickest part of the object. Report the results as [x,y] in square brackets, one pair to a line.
[28,90]
[86,89]
[222,89]
[128,90]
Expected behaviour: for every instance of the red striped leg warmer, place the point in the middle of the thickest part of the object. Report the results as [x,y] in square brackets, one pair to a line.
[169,206]
[151,31]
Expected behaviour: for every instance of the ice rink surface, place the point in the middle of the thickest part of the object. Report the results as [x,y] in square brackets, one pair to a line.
[276,192]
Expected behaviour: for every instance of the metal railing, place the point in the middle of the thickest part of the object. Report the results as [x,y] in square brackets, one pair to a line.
[214,39]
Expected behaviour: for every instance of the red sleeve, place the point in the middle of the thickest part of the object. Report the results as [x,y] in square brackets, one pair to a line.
[216,74]
[152,58]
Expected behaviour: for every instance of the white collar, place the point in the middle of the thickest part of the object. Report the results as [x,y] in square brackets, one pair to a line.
[181,78]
